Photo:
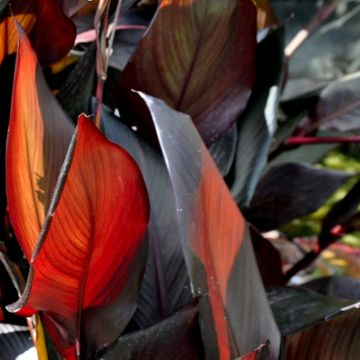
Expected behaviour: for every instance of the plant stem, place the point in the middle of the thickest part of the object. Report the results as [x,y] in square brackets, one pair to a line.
[323,13]
[309,140]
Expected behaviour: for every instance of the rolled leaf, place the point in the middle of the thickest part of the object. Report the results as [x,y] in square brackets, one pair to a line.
[215,239]
[197,56]
[50,40]
[257,125]
[85,256]
[38,138]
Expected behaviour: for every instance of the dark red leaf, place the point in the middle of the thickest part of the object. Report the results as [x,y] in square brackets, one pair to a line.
[198,56]
[215,239]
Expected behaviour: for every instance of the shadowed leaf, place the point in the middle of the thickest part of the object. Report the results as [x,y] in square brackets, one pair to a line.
[215,239]
[197,50]
[339,105]
[274,205]
[316,326]
[16,343]
[85,255]
[258,123]
[175,338]
[165,287]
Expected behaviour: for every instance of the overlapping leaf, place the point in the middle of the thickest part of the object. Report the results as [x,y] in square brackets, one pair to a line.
[258,122]
[91,238]
[216,243]
[165,287]
[38,138]
[37,18]
[176,338]
[339,105]
[198,56]
[33,128]
[315,326]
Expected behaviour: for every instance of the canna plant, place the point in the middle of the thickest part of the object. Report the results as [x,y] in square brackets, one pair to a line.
[137,231]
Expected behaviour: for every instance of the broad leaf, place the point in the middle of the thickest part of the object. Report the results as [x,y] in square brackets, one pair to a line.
[38,138]
[274,205]
[197,56]
[215,239]
[316,326]
[176,338]
[258,122]
[339,106]
[51,41]
[16,343]
[165,287]
[85,255]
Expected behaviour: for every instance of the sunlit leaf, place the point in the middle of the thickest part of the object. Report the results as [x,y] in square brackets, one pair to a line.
[165,286]
[175,338]
[197,56]
[38,138]
[37,18]
[85,256]
[274,205]
[215,239]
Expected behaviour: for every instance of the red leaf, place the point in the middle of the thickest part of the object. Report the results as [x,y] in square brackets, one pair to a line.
[87,256]
[199,57]
[215,239]
[51,32]
[38,138]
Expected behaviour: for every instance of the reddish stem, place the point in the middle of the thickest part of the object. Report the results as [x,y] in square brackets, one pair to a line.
[309,140]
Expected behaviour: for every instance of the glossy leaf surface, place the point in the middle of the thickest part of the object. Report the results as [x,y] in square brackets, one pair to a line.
[86,258]
[38,138]
[37,17]
[175,338]
[203,50]
[273,205]
[165,287]
[257,125]
[316,326]
[215,239]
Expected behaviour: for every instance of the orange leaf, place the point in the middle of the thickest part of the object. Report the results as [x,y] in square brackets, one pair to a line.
[51,33]
[91,237]
[38,138]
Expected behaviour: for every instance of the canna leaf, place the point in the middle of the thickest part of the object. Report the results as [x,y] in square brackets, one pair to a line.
[216,243]
[258,122]
[316,326]
[199,57]
[272,206]
[86,254]
[50,42]
[175,338]
[38,138]
[165,287]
